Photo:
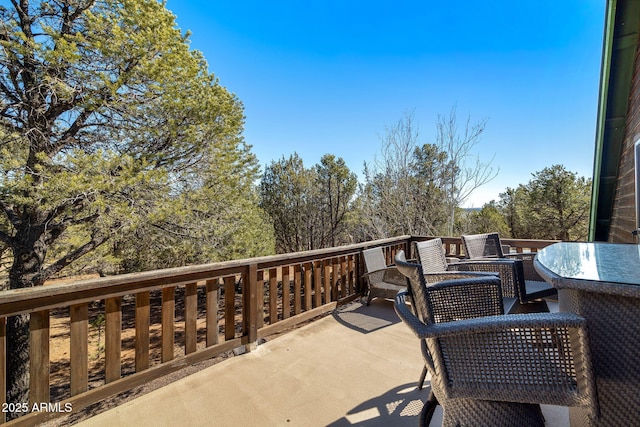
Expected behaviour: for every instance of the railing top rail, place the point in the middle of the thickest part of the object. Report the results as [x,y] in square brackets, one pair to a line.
[26,300]
[16,301]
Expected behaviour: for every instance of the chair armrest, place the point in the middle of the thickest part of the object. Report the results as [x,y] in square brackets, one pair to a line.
[487,324]
[374,272]
[390,274]
[416,326]
[439,276]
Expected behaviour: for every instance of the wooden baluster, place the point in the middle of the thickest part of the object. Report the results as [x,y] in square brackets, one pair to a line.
[286,292]
[260,299]
[344,277]
[143,322]
[307,286]
[327,281]
[229,308]
[168,328]
[350,275]
[297,289]
[212,312]
[113,338]
[79,348]
[39,357]
[273,295]
[336,282]
[317,282]
[190,317]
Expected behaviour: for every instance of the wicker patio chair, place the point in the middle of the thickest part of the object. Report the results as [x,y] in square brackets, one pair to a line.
[431,255]
[530,287]
[495,370]
[384,281]
[437,267]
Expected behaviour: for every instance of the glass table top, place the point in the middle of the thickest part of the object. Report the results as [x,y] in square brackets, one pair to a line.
[598,262]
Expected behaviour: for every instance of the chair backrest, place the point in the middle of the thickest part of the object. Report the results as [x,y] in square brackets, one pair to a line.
[415,284]
[374,259]
[431,255]
[541,358]
[485,245]
[451,300]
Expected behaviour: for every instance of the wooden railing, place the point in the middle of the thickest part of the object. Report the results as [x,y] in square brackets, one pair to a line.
[157,322]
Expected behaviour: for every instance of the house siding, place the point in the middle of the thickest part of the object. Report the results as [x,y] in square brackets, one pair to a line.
[623,217]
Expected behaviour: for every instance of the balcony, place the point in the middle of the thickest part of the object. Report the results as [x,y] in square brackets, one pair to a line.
[356,365]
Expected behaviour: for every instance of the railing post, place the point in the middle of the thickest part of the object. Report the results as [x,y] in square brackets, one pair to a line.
[250,306]
[359,269]
[307,286]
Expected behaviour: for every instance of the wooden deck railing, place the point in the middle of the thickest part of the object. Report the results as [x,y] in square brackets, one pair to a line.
[157,322]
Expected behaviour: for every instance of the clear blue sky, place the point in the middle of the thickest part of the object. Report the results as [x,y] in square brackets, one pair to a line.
[328,76]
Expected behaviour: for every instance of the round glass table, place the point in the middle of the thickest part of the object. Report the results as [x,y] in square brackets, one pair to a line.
[601,282]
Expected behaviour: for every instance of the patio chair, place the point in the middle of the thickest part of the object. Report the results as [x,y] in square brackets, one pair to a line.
[436,267]
[530,287]
[495,370]
[384,281]
[431,255]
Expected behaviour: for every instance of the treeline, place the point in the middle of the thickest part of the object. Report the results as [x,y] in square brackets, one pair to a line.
[223,207]
[415,188]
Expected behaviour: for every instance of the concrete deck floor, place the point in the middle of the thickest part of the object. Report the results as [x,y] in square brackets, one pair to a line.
[358,366]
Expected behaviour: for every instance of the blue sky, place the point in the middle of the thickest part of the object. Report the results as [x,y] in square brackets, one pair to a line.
[320,77]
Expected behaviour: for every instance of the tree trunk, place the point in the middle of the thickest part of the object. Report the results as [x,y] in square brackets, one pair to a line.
[25,272]
[17,360]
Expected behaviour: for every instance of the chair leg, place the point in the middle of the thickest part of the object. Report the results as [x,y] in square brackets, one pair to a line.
[423,375]
[369,298]
[428,409]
